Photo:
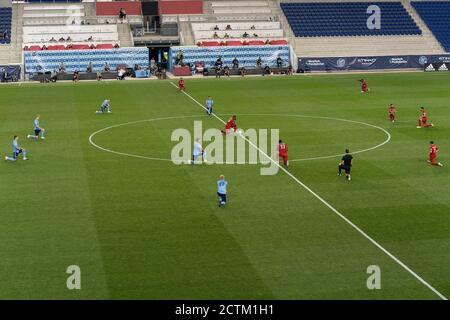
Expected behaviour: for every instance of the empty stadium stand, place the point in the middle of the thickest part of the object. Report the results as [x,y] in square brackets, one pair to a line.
[312,35]
[58,26]
[436,15]
[238,33]
[347,19]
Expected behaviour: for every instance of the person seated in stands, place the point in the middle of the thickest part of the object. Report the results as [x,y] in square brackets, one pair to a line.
[255,35]
[99,76]
[53,76]
[266,70]
[68,39]
[122,14]
[179,58]
[218,63]
[76,76]
[44,47]
[228,27]
[62,67]
[215,35]
[226,71]
[242,71]
[106,21]
[69,46]
[245,35]
[62,39]
[106,67]
[226,35]
[91,38]
[279,62]
[121,74]
[216,27]
[52,39]
[116,46]
[73,22]
[235,63]
[253,27]
[289,70]
[218,71]
[258,62]
[89,67]
[92,46]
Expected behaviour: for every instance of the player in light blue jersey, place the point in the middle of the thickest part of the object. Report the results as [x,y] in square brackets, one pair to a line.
[38,130]
[16,151]
[198,152]
[222,190]
[209,106]
[105,106]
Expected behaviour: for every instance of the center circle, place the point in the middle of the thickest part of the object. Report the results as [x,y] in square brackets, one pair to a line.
[272,116]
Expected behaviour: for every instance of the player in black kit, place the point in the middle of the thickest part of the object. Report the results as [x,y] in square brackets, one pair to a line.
[346,164]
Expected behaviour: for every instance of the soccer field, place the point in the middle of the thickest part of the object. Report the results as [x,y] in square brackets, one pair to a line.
[142,227]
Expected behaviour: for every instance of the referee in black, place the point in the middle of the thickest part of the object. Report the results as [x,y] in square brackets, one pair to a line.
[346,164]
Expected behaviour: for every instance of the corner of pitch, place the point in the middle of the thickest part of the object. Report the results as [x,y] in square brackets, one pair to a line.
[214,146]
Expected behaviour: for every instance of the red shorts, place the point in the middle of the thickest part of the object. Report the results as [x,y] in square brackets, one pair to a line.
[364,88]
[181,86]
[229,130]
[424,120]
[284,156]
[391,116]
[432,157]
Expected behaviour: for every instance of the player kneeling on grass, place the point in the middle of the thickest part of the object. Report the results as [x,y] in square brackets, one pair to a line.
[105,106]
[16,151]
[422,122]
[222,190]
[198,152]
[346,164]
[364,86]
[231,124]
[433,153]
[283,152]
[37,130]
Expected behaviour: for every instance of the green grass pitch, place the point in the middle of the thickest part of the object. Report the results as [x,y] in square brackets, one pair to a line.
[143,229]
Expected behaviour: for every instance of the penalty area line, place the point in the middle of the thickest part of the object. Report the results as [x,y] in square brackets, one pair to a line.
[329,206]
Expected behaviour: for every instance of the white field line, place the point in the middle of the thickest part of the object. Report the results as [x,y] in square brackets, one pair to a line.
[91,137]
[354,226]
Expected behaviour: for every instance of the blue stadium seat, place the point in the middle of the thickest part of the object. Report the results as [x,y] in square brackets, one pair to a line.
[436,16]
[347,19]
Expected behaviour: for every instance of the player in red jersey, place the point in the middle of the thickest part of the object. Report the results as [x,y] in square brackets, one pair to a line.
[283,152]
[181,85]
[433,153]
[392,110]
[422,122]
[231,124]
[364,86]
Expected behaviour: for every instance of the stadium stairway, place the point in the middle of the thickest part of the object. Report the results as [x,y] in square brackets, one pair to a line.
[124,30]
[425,43]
